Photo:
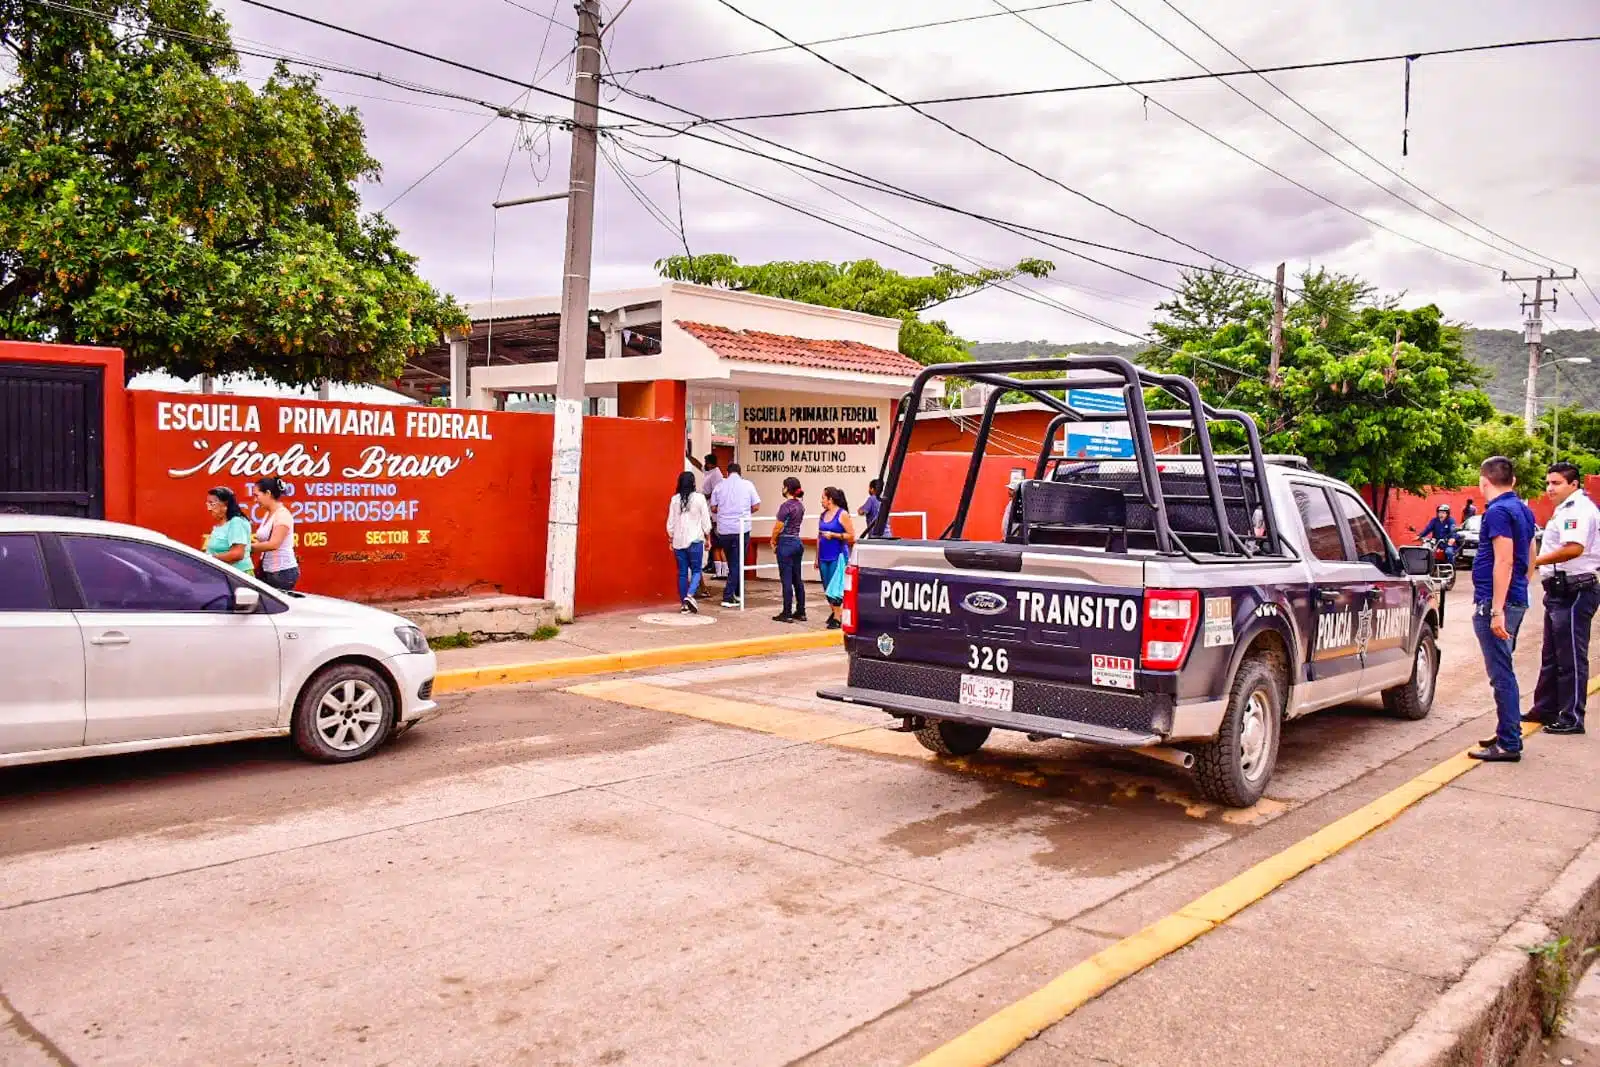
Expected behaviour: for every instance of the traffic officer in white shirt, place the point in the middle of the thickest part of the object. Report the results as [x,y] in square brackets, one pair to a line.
[1568,559]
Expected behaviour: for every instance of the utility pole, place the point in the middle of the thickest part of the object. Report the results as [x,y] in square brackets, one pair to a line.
[1533,334]
[1277,328]
[566,457]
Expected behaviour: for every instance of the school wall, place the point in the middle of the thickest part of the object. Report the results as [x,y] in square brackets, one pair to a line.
[117,457]
[404,502]
[1017,433]
[932,481]
[396,502]
[1411,511]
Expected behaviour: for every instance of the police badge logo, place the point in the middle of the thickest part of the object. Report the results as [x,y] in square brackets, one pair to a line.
[885,644]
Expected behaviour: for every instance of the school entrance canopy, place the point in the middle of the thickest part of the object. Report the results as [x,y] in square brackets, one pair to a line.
[814,387]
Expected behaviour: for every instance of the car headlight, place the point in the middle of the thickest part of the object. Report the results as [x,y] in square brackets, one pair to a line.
[412,638]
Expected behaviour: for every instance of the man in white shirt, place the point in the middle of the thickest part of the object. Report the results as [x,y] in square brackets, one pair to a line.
[733,502]
[719,565]
[1568,559]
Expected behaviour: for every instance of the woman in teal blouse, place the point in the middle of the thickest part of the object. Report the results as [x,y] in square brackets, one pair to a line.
[229,539]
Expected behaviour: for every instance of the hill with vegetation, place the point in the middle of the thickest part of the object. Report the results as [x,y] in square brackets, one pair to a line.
[1501,353]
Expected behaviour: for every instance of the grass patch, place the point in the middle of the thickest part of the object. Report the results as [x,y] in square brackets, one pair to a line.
[1557,967]
[449,641]
[545,633]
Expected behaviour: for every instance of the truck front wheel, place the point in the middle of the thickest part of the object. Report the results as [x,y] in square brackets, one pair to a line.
[952,738]
[1415,699]
[1236,767]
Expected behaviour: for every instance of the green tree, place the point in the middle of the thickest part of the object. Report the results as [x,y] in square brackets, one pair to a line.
[863,285]
[151,199]
[1206,301]
[1503,435]
[1375,396]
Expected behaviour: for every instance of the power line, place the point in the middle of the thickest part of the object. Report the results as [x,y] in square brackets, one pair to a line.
[1230,146]
[1368,155]
[838,40]
[1171,79]
[971,138]
[550,18]
[1573,293]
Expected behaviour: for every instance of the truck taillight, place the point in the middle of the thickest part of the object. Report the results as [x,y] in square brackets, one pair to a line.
[1171,617]
[848,614]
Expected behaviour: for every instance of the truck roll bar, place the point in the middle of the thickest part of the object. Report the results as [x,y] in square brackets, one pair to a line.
[1119,373]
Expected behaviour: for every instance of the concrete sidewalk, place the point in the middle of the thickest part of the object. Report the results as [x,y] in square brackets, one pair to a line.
[1336,966]
[626,631]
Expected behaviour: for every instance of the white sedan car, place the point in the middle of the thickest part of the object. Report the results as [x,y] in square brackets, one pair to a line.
[116,639]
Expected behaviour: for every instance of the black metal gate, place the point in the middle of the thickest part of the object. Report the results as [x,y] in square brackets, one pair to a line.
[51,452]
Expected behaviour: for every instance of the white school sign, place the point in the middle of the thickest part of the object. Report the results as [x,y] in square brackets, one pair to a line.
[821,440]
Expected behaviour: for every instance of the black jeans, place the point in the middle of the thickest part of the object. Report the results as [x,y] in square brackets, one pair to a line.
[284,579]
[729,543]
[1563,690]
[791,571]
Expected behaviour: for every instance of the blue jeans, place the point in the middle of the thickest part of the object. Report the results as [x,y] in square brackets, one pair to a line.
[730,544]
[691,561]
[1502,677]
[791,564]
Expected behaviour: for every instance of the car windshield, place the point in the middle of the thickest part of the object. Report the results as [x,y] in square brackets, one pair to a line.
[1472,524]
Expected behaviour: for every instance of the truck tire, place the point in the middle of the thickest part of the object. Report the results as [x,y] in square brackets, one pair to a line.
[952,738]
[1415,699]
[1235,768]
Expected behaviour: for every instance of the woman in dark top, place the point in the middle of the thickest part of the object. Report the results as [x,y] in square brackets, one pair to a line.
[791,551]
[835,534]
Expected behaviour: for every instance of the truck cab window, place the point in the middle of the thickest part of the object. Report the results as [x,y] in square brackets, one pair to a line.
[1322,529]
[1371,545]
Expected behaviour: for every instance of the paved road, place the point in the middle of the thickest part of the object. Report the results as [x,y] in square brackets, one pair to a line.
[549,878]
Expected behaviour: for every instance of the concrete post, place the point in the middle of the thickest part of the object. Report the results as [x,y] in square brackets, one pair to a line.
[460,391]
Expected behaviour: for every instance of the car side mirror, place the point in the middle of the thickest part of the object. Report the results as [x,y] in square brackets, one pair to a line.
[245,600]
[1417,559]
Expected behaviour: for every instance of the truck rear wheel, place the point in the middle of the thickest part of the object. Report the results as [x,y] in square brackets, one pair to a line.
[952,738]
[1415,699]
[1236,767]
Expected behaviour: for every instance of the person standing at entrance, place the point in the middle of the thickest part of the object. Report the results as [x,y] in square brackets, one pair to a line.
[1500,599]
[835,534]
[1568,559]
[275,538]
[791,552]
[688,525]
[733,502]
[713,479]
[871,508]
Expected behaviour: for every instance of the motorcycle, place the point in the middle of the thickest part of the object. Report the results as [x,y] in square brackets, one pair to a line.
[1444,572]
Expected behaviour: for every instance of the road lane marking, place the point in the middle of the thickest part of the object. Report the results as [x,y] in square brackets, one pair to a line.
[463,678]
[810,726]
[1002,1033]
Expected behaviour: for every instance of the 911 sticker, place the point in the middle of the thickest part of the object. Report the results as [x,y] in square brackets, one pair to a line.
[1219,621]
[1115,672]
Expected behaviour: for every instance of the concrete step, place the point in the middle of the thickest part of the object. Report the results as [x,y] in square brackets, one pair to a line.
[492,617]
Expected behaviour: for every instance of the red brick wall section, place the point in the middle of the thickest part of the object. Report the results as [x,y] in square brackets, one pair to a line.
[1409,512]
[117,459]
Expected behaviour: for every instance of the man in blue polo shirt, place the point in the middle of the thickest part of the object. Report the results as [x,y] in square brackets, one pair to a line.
[1500,599]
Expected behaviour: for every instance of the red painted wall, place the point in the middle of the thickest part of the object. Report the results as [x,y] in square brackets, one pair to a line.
[117,461]
[1017,433]
[1407,510]
[932,481]
[630,471]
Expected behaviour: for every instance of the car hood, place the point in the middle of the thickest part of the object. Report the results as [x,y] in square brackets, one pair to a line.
[309,606]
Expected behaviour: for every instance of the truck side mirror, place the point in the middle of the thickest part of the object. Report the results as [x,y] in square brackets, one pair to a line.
[1417,559]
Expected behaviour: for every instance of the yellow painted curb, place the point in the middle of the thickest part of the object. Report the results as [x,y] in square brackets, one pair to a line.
[1007,1029]
[454,681]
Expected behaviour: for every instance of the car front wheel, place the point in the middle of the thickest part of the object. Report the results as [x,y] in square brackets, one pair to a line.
[344,714]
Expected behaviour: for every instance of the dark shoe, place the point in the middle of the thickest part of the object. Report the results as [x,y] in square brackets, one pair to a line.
[1494,754]
[730,603]
[1565,728]
[800,617]
[784,617]
[835,624]
[1534,716]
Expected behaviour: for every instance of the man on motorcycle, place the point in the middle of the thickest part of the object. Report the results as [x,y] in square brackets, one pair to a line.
[1442,528]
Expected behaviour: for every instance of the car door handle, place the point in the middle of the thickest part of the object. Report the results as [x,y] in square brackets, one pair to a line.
[1327,596]
[111,637]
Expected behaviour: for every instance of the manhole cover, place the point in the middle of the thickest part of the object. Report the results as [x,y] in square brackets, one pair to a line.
[676,619]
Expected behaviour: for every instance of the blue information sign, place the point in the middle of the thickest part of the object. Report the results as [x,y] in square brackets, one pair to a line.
[1105,401]
[1090,446]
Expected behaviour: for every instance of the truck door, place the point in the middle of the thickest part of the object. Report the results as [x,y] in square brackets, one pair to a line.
[1383,626]
[1341,586]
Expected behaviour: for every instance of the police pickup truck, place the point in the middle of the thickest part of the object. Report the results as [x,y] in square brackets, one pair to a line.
[1183,606]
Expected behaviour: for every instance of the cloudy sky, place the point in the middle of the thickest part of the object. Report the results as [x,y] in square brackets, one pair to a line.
[1510,139]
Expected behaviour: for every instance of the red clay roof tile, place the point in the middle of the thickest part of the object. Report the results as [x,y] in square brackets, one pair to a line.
[756,347]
